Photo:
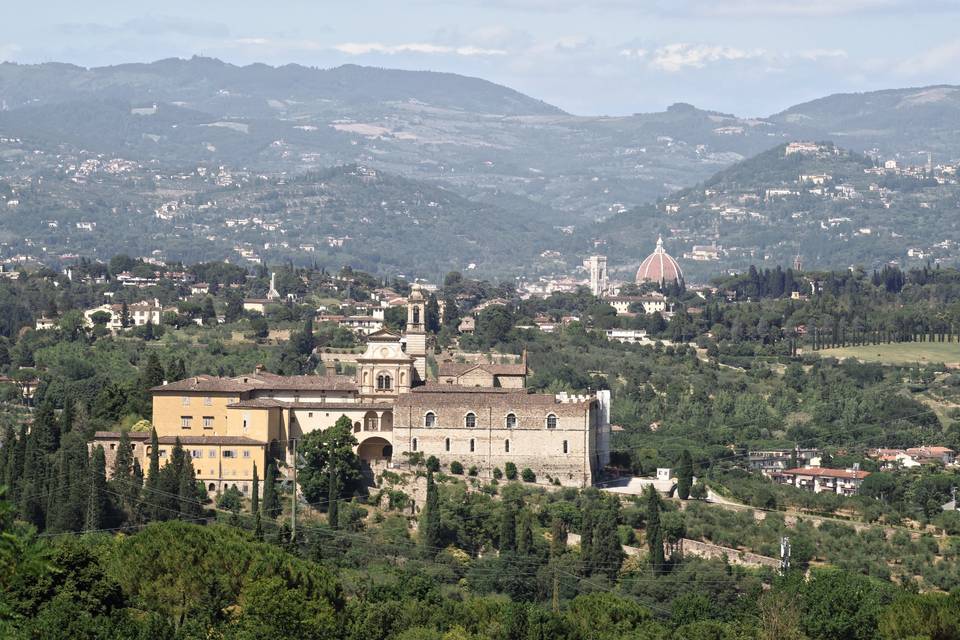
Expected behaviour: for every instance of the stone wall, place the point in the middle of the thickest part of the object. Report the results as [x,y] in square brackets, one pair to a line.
[734,556]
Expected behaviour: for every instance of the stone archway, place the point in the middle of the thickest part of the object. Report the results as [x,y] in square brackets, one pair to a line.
[370,421]
[375,449]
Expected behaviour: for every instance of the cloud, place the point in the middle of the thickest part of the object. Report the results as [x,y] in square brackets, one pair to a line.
[934,60]
[679,56]
[367,48]
[9,51]
[733,8]
[148,26]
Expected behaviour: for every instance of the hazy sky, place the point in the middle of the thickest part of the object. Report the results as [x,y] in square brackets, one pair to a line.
[751,57]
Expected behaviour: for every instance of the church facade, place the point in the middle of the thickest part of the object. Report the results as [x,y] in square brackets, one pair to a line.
[479,415]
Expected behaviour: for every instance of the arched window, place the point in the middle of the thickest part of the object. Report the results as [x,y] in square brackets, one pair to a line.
[430,419]
[551,421]
[387,382]
[414,444]
[416,315]
[506,446]
[380,381]
[511,420]
[446,444]
[472,445]
[565,449]
[470,420]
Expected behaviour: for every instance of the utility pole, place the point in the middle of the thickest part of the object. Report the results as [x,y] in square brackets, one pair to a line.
[784,555]
[293,504]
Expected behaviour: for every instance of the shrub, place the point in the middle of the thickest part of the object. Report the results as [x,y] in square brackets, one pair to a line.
[473,471]
[456,468]
[528,475]
[511,471]
[497,474]
[433,464]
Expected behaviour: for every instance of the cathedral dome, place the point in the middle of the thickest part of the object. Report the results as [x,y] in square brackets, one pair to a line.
[659,267]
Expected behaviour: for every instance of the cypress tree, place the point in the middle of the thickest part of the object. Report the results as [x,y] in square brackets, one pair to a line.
[333,498]
[190,508]
[525,533]
[607,554]
[587,523]
[508,526]
[258,526]
[255,493]
[558,537]
[654,532]
[10,450]
[72,509]
[177,370]
[97,502]
[153,508]
[685,475]
[430,518]
[271,501]
[45,430]
[31,488]
[67,415]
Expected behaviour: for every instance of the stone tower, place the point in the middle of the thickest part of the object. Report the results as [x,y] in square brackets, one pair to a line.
[597,266]
[416,332]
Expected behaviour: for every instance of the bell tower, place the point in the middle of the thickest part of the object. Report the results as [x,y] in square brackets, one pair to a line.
[416,332]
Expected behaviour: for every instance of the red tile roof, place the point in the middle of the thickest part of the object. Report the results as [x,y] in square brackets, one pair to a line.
[823,472]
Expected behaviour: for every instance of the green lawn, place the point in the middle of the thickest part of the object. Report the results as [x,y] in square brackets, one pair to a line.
[901,353]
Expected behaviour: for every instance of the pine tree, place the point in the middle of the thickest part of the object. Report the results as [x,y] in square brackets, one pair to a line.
[97,499]
[508,526]
[271,501]
[654,532]
[430,518]
[255,492]
[685,475]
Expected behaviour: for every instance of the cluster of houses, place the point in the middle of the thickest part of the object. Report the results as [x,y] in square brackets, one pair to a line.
[802,467]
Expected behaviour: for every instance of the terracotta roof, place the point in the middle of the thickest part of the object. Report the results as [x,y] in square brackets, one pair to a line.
[457,369]
[823,472]
[267,380]
[212,384]
[439,387]
[259,380]
[143,436]
[660,267]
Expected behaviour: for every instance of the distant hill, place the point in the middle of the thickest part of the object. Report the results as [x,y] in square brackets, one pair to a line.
[835,207]
[213,86]
[349,215]
[894,121]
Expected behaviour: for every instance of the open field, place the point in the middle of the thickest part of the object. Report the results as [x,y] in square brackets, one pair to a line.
[901,353]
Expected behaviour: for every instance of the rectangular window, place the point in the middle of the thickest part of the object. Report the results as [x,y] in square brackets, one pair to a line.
[227,453]
[185,401]
[208,422]
[185,422]
[196,453]
[565,446]
[162,453]
[207,401]
[212,454]
[246,453]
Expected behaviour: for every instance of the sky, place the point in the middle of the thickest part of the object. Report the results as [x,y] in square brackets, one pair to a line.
[599,57]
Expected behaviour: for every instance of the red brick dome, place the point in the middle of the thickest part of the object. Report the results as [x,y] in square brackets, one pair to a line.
[659,267]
